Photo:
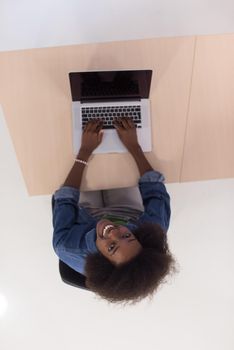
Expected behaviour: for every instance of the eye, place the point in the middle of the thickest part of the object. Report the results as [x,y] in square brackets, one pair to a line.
[110,248]
[126,235]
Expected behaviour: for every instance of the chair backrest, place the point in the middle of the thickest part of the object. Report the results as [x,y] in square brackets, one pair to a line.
[72,277]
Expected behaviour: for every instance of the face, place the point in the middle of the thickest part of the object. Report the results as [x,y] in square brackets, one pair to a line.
[116,242]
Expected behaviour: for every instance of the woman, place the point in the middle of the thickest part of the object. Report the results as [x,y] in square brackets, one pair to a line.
[116,238]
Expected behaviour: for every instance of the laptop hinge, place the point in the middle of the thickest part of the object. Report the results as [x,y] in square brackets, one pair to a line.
[110,100]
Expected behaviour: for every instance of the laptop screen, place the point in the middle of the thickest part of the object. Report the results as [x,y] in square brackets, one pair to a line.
[110,85]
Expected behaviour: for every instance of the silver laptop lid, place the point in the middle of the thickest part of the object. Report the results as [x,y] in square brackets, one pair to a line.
[104,86]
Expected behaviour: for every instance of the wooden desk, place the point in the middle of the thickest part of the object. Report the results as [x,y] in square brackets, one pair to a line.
[192,108]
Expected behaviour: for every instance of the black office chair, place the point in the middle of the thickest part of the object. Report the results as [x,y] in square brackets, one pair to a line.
[72,277]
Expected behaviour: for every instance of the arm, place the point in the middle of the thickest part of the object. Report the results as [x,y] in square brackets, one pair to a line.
[126,130]
[68,239]
[75,175]
[65,199]
[91,138]
[140,159]
[155,197]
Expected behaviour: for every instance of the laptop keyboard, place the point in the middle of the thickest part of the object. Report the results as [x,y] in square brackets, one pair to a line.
[109,113]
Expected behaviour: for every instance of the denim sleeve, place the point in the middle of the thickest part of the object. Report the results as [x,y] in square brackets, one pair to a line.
[68,241]
[152,176]
[155,197]
[65,213]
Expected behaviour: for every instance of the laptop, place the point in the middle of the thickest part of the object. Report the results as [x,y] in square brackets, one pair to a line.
[107,95]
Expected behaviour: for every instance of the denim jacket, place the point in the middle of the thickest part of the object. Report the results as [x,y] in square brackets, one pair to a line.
[74,233]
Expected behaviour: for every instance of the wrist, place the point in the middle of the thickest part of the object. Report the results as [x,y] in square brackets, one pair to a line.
[84,154]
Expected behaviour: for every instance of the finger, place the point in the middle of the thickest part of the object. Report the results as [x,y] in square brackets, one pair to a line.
[93,124]
[118,124]
[119,120]
[89,125]
[99,127]
[86,126]
[124,122]
[99,124]
[129,121]
[100,136]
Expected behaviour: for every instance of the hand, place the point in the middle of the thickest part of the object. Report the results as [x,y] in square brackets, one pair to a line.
[92,136]
[127,132]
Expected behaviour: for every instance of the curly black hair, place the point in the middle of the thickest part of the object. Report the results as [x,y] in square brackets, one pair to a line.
[138,278]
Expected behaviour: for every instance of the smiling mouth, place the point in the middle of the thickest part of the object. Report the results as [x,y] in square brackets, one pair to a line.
[105,230]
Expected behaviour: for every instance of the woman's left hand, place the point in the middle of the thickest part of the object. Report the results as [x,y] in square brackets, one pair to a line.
[92,135]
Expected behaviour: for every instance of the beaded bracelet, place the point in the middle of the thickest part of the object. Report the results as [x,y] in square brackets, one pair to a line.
[81,161]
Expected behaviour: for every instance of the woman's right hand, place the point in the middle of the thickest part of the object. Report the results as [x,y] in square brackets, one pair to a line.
[126,131]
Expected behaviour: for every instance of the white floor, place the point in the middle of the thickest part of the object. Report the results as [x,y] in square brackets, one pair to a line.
[195,310]
[29,24]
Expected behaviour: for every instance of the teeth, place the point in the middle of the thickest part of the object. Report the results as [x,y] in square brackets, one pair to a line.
[105,229]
